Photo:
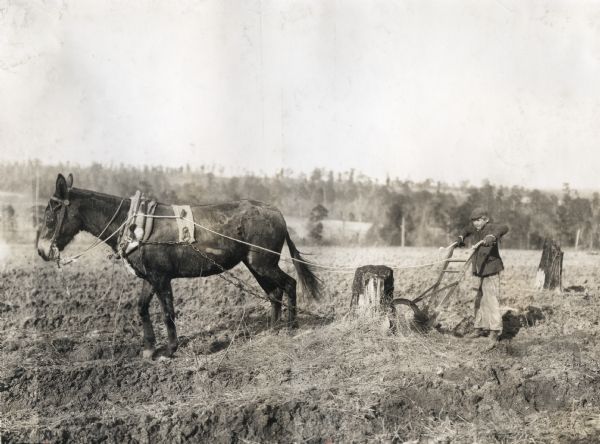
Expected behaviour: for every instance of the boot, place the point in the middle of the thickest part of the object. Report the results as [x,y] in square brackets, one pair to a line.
[477,333]
[494,339]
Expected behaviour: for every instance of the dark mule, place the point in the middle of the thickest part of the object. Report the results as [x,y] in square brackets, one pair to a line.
[71,210]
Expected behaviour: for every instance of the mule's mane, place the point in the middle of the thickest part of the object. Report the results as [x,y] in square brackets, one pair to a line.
[96,194]
[112,198]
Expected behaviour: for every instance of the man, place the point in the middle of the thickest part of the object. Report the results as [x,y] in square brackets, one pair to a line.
[487,266]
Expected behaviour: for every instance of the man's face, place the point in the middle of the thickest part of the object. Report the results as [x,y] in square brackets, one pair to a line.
[480,223]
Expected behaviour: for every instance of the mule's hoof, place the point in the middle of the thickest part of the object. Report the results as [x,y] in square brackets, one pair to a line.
[163,353]
[147,354]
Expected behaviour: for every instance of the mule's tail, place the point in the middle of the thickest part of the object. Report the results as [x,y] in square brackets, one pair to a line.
[310,283]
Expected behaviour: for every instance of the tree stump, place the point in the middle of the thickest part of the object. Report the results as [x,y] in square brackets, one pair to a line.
[549,274]
[373,287]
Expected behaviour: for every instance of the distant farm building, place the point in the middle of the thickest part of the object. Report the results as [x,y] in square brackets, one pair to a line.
[334,230]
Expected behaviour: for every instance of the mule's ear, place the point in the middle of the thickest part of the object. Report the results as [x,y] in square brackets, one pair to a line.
[61,186]
[70,180]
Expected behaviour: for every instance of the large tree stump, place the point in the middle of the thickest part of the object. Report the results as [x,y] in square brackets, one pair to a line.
[549,274]
[373,287]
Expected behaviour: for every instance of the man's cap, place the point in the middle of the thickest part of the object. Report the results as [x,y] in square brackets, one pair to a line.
[478,212]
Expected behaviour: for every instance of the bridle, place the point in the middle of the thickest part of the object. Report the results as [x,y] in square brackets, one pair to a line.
[62,204]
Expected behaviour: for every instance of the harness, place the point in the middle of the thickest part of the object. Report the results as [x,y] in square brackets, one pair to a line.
[139,224]
[137,229]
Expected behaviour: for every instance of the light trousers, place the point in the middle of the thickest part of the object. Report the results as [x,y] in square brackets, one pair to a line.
[487,308]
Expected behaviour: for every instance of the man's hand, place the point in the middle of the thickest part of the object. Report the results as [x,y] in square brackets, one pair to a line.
[477,245]
[489,240]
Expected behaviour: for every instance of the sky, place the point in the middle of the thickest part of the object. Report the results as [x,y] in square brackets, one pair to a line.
[504,91]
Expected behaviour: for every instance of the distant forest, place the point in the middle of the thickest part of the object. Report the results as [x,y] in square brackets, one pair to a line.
[430,212]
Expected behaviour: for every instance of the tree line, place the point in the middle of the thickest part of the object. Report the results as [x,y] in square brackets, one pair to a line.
[424,213]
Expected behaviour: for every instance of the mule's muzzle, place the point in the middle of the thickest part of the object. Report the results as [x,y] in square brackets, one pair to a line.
[47,250]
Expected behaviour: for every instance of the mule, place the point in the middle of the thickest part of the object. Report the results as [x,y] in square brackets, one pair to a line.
[246,230]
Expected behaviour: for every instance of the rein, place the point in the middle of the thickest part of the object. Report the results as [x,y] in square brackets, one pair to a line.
[111,220]
[332,268]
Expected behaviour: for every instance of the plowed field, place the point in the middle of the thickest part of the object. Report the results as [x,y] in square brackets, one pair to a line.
[72,371]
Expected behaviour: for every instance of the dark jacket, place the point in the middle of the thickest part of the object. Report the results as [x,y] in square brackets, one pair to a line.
[486,261]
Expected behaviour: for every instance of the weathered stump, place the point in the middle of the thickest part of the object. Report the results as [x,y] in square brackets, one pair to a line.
[549,275]
[373,287]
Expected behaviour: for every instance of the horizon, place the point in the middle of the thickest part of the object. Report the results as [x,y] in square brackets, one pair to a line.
[221,171]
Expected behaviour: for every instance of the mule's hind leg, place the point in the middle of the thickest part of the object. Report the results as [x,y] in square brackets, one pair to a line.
[144,299]
[275,297]
[283,281]
[273,292]
[164,292]
[288,284]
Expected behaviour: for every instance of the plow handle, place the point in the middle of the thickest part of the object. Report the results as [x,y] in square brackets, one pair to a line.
[477,245]
[455,244]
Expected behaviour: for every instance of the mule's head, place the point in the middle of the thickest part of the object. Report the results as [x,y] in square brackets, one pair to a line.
[61,221]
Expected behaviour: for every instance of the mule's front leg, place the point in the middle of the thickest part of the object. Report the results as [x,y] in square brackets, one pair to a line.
[165,296]
[143,305]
